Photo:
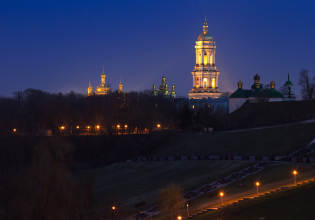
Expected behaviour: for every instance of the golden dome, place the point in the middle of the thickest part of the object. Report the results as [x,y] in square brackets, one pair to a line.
[205,36]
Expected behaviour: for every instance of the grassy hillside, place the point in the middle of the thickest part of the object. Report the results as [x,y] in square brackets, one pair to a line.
[271,178]
[269,113]
[290,204]
[131,183]
[267,141]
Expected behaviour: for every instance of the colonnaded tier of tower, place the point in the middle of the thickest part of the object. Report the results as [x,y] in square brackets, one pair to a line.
[102,89]
[205,74]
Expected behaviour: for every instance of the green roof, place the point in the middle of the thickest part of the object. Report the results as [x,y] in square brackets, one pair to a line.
[288,83]
[241,93]
[256,93]
[268,93]
[272,93]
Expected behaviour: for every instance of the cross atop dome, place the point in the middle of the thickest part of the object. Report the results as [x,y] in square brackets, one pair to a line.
[205,27]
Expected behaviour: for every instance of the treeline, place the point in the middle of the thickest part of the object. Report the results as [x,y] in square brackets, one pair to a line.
[32,110]
[36,183]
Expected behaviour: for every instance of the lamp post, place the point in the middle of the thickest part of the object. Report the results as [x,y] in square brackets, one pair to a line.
[221,195]
[113,208]
[118,126]
[257,184]
[187,210]
[158,126]
[179,217]
[126,126]
[295,173]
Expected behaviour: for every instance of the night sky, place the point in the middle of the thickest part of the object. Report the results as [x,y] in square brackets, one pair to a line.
[59,46]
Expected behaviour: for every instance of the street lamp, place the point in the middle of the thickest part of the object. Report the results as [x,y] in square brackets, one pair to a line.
[14,129]
[295,173]
[97,126]
[78,127]
[179,217]
[187,210]
[113,208]
[221,195]
[158,125]
[257,184]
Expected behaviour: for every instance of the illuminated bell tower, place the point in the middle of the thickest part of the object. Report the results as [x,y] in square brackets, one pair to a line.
[205,74]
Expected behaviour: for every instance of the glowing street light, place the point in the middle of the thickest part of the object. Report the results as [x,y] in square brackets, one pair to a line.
[126,126]
[118,126]
[257,184]
[97,126]
[62,127]
[158,125]
[78,127]
[295,173]
[221,195]
[187,210]
[14,129]
[113,207]
[179,217]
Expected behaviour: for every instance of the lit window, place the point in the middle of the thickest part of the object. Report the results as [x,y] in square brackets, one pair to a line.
[193,106]
[213,83]
[205,59]
[205,80]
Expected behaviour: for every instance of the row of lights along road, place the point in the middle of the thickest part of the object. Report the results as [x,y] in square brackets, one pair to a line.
[88,127]
[257,185]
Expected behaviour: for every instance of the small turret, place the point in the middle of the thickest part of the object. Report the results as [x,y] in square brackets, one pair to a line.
[173,93]
[154,90]
[257,84]
[272,84]
[240,84]
[90,89]
[120,86]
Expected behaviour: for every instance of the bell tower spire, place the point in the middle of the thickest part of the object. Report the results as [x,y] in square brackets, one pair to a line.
[205,26]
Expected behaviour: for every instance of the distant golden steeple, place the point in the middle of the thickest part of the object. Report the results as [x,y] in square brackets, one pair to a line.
[120,86]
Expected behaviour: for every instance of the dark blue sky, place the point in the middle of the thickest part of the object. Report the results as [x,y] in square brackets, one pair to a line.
[58,46]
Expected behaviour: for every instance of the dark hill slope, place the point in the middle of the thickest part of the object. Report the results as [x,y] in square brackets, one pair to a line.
[269,113]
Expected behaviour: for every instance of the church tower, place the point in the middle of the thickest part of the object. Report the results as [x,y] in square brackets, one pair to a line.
[120,86]
[90,90]
[205,74]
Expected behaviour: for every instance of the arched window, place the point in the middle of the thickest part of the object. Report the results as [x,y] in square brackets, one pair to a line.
[213,83]
[205,83]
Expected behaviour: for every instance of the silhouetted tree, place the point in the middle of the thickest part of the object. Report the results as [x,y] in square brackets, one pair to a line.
[185,117]
[307,84]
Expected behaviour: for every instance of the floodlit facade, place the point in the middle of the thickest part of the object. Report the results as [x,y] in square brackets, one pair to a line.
[205,74]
